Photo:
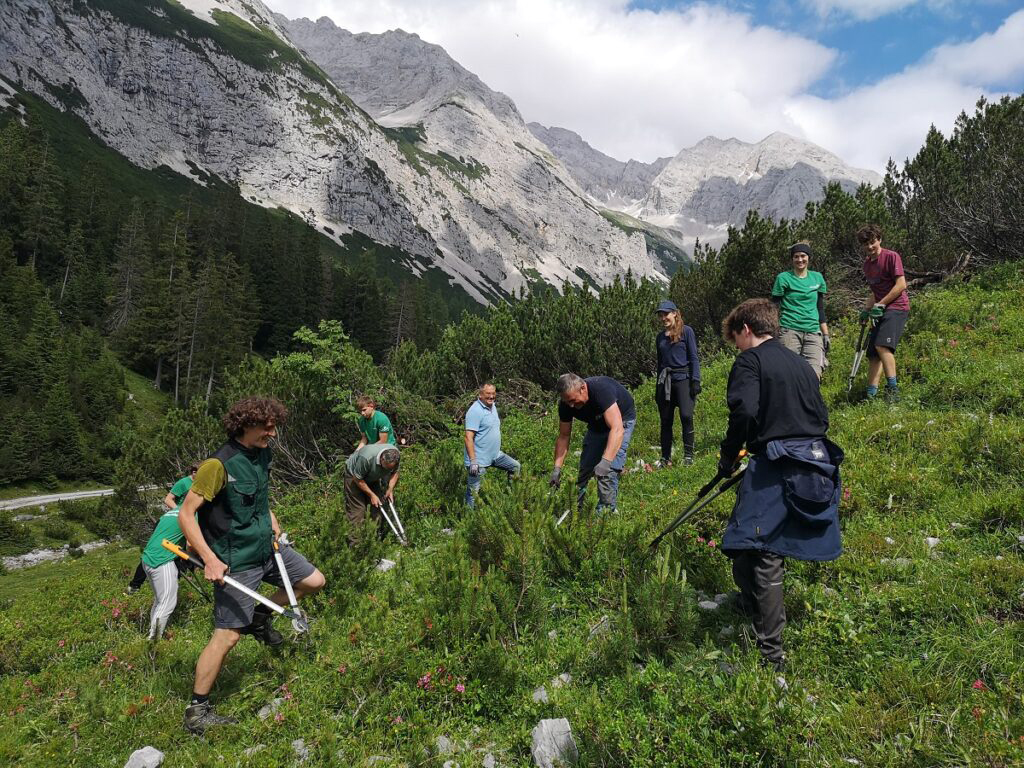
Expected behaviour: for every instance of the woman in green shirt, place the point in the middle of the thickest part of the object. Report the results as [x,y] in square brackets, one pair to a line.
[800,294]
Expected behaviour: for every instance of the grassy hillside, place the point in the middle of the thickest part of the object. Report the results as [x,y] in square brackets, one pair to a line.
[903,653]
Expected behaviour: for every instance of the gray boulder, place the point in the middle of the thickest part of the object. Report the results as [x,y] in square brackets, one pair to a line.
[147,757]
[553,744]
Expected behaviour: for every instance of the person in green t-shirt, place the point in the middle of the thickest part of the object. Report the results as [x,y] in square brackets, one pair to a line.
[180,489]
[173,498]
[800,294]
[374,425]
[161,571]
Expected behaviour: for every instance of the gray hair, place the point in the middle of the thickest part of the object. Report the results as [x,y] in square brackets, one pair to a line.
[568,382]
[485,385]
[390,456]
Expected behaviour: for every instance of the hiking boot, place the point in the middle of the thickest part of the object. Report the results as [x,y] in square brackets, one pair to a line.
[262,630]
[131,589]
[199,717]
[688,460]
[662,464]
[892,395]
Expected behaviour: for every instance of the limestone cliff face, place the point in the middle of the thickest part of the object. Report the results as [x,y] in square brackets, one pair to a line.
[708,187]
[718,182]
[614,183]
[216,87]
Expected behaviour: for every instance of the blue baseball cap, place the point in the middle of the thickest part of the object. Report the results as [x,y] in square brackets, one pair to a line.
[667,306]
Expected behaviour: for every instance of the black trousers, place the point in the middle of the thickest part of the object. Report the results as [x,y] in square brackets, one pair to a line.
[682,400]
[759,576]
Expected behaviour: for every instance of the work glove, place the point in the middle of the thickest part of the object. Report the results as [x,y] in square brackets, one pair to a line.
[864,315]
[826,342]
[603,468]
[695,388]
[556,477]
[727,466]
[474,469]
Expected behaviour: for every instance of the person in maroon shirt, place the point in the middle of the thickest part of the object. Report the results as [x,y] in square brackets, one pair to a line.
[883,271]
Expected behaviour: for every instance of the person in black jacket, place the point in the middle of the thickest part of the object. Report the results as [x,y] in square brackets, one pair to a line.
[678,380]
[787,501]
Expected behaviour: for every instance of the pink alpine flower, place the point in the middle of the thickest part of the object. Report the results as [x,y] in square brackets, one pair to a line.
[978,685]
[711,543]
[460,688]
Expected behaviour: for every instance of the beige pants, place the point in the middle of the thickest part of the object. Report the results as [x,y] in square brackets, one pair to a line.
[808,344]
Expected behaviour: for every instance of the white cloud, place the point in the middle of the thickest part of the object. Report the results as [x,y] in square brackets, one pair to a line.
[890,118]
[638,84]
[643,84]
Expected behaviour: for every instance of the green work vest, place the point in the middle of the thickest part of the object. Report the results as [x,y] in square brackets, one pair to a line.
[236,524]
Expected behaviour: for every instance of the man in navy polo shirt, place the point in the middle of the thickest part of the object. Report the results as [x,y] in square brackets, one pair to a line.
[608,410]
[483,442]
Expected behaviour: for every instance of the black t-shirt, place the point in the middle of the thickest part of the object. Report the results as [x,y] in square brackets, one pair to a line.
[603,392]
[773,394]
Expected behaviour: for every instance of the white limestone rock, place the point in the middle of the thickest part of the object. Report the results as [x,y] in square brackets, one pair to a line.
[553,744]
[147,757]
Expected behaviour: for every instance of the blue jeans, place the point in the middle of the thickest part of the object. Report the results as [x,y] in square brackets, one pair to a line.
[594,443]
[502,461]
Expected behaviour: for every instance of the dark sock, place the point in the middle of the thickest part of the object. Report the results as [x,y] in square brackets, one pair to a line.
[199,698]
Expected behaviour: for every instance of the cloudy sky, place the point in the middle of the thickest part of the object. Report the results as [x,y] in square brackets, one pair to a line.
[644,78]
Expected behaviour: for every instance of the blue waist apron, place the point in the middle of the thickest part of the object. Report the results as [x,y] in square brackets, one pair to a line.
[788,501]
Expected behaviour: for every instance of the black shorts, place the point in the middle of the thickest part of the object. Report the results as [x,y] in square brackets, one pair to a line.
[888,331]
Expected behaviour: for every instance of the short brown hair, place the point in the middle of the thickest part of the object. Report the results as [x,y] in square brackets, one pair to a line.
[253,410]
[364,400]
[868,233]
[760,315]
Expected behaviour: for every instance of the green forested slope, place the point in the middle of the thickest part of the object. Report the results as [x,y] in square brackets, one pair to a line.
[901,653]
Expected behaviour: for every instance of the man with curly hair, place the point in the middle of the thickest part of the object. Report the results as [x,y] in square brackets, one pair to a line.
[227,521]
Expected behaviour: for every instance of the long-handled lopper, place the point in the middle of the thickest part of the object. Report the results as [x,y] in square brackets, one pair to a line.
[696,506]
[868,318]
[287,613]
[302,625]
[396,524]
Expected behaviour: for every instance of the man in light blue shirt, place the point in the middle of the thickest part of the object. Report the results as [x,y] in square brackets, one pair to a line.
[483,442]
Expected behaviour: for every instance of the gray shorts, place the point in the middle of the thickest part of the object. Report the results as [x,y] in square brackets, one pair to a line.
[233,610]
[888,331]
[810,345]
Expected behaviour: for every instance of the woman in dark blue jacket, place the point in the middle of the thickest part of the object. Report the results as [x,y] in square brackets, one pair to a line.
[678,379]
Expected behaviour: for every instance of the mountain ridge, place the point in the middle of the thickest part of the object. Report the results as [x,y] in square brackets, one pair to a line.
[163,85]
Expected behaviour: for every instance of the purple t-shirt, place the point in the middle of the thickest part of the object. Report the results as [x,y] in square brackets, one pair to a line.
[881,275]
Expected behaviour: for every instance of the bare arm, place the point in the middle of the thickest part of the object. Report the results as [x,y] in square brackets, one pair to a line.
[215,569]
[169,501]
[898,287]
[390,493]
[382,437]
[562,443]
[374,498]
[613,418]
[362,442]
[470,448]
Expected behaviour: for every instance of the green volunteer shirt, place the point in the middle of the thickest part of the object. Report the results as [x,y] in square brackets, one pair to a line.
[373,427]
[364,465]
[154,555]
[180,489]
[799,307]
